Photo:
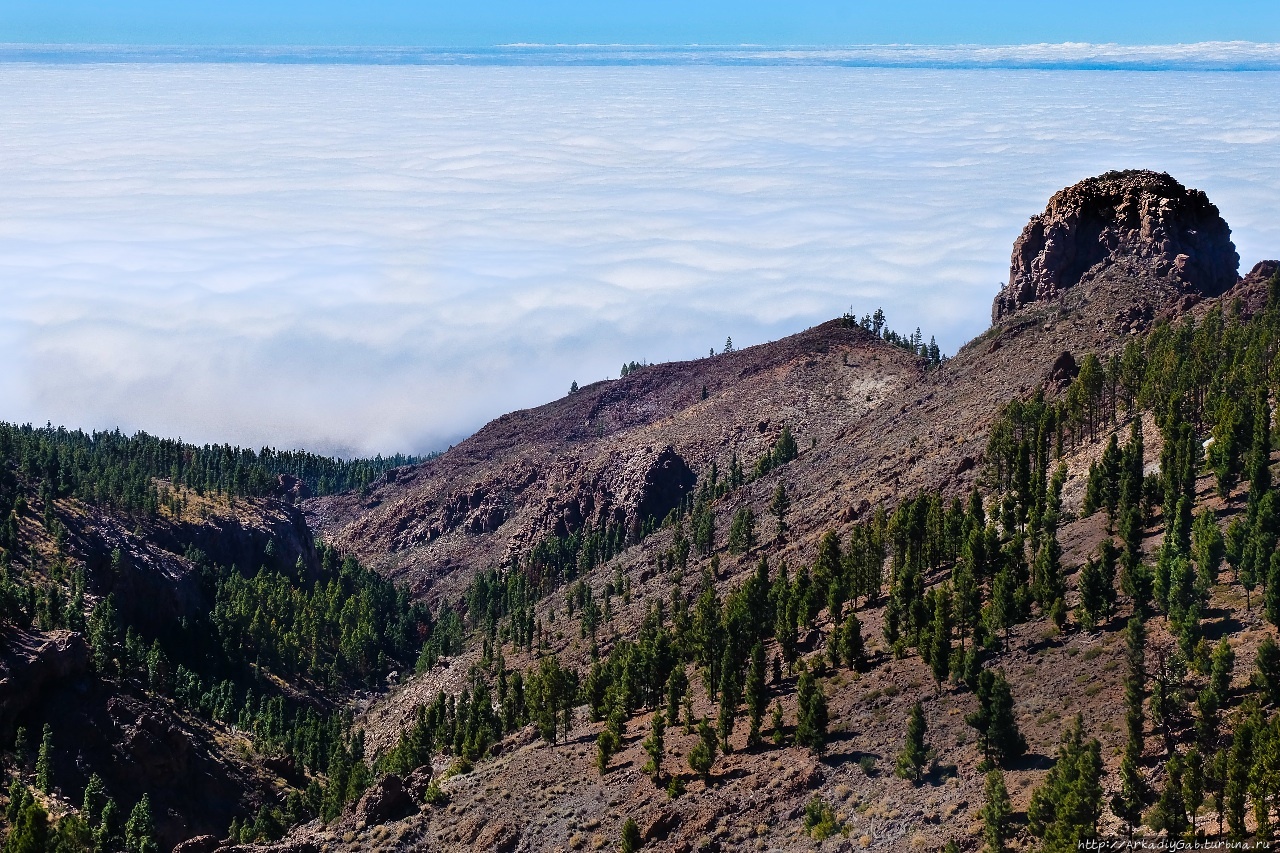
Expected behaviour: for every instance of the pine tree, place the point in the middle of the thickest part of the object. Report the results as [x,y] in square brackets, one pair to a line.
[107,835]
[44,761]
[703,754]
[1065,809]
[28,822]
[677,685]
[1092,594]
[1267,677]
[609,741]
[1239,766]
[653,746]
[1259,467]
[730,694]
[914,753]
[996,813]
[1170,812]
[95,799]
[140,831]
[940,640]
[1135,685]
[1224,661]
[994,720]
[780,506]
[1128,803]
[852,648]
[756,694]
[742,531]
[631,838]
[1004,610]
[775,721]
[811,713]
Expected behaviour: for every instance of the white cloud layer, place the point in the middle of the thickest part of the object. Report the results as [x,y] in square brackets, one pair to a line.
[364,259]
[1197,56]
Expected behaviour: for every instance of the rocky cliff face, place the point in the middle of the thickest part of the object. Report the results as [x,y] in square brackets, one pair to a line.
[1145,220]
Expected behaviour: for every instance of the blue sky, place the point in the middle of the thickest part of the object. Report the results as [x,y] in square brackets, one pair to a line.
[489,22]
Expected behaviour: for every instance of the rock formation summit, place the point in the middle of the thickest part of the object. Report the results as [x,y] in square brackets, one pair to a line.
[1142,220]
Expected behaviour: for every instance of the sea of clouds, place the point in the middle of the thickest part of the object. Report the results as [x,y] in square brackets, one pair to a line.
[359,258]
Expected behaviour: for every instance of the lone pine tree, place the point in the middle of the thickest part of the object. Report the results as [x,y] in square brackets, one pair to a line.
[914,753]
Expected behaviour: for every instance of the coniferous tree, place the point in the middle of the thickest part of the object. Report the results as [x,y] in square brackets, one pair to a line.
[95,799]
[742,532]
[1267,676]
[730,695]
[1207,547]
[756,694]
[1065,809]
[28,822]
[609,741]
[914,753]
[44,761]
[994,720]
[1135,685]
[775,721]
[811,713]
[780,506]
[1170,812]
[1093,598]
[852,648]
[631,838]
[1135,577]
[996,813]
[1004,610]
[139,831]
[940,640]
[1224,661]
[108,835]
[1130,800]
[703,754]
[1259,467]
[677,686]
[653,746]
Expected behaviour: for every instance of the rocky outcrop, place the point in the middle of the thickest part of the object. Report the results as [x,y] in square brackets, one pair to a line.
[385,800]
[31,663]
[1146,219]
[417,783]
[294,846]
[156,747]
[199,844]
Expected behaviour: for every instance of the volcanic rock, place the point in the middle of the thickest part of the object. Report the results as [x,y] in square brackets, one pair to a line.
[1171,232]
[385,800]
[31,662]
[418,782]
[199,844]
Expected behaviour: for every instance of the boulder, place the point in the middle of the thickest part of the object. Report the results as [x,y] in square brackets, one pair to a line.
[386,800]
[417,782]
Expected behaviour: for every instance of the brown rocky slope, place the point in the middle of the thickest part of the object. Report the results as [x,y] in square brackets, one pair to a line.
[873,427]
[872,424]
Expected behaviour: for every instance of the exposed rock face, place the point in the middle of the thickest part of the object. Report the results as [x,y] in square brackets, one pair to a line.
[31,663]
[417,783]
[1146,219]
[385,800]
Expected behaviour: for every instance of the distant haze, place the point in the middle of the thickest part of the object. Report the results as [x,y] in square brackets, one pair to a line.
[362,259]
